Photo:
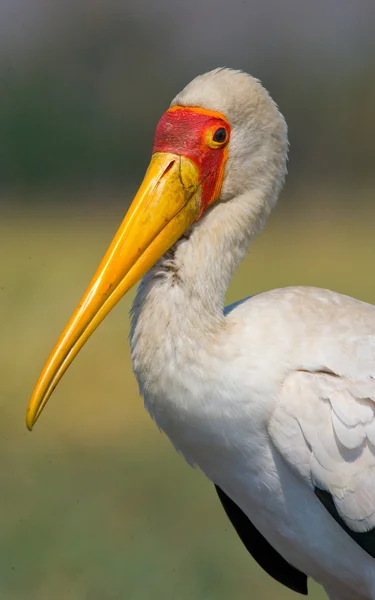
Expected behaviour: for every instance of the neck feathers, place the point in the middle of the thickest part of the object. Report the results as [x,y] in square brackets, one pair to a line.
[188,285]
[177,314]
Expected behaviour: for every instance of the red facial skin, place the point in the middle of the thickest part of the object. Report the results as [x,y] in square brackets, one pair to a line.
[189,132]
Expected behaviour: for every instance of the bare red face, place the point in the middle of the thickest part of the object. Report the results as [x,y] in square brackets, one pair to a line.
[202,136]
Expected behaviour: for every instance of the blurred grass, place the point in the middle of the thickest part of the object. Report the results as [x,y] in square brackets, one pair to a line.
[95,504]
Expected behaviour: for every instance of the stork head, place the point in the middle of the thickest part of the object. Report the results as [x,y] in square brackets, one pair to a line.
[255,150]
[221,138]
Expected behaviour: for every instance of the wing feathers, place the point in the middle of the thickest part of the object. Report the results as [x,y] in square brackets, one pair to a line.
[349,412]
[365,540]
[324,426]
[350,436]
[266,556]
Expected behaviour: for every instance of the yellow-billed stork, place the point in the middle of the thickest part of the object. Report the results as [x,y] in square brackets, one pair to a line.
[273,398]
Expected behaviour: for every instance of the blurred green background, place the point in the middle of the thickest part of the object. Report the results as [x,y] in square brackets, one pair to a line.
[95,504]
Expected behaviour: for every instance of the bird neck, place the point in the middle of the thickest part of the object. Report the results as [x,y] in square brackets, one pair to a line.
[187,286]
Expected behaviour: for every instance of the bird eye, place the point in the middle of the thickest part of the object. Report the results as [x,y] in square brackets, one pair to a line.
[220,135]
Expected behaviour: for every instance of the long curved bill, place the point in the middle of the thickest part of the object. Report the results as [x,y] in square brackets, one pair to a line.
[167,203]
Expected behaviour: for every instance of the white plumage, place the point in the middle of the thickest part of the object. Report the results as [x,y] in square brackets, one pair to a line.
[279,389]
[275,402]
[273,398]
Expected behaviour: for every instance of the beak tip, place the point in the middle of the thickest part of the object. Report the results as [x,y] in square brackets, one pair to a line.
[30,420]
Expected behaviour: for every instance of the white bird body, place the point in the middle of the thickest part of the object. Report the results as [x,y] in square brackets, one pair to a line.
[214,383]
[272,398]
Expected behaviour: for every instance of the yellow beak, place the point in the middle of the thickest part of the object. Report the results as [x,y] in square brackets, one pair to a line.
[167,203]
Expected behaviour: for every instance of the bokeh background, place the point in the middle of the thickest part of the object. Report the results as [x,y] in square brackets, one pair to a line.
[95,504]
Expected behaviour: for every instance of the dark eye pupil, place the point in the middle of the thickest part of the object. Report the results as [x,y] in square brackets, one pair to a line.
[220,135]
